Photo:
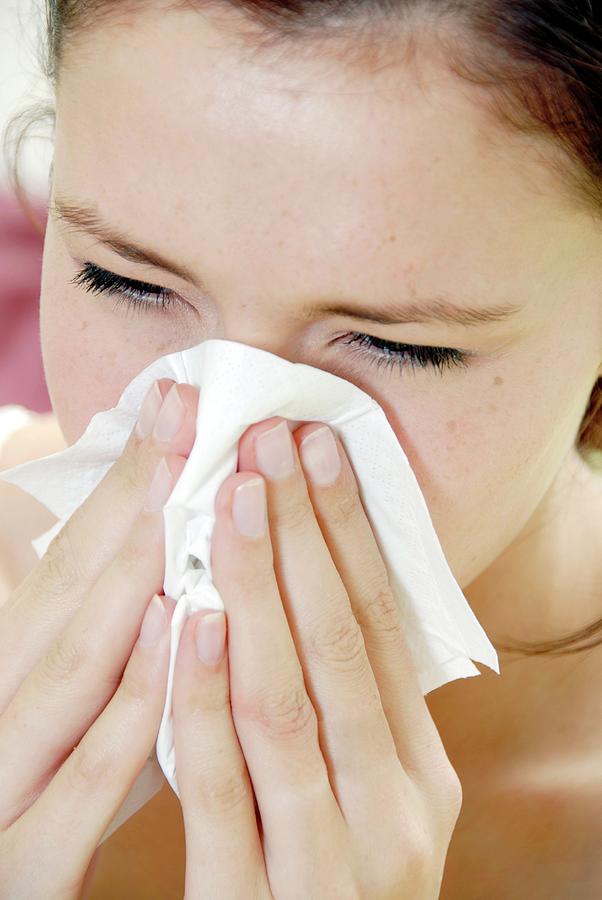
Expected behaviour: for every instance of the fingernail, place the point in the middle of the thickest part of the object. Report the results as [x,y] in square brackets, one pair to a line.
[160,488]
[171,416]
[210,638]
[149,412]
[249,511]
[153,623]
[274,452]
[320,456]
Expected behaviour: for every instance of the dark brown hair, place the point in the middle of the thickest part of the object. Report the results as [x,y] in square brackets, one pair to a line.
[540,60]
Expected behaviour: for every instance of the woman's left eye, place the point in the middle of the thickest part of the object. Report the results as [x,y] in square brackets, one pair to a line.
[150,297]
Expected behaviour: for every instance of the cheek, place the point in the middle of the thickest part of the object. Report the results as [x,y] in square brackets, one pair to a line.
[481,479]
[90,351]
[86,369]
[445,444]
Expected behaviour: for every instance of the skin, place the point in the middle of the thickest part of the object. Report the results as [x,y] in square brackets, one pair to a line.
[238,177]
[313,631]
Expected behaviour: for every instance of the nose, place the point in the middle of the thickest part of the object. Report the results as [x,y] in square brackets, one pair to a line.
[248,325]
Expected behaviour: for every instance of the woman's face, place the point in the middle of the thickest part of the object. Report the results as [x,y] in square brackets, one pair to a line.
[290,182]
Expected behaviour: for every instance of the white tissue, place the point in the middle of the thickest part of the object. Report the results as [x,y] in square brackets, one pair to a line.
[240,385]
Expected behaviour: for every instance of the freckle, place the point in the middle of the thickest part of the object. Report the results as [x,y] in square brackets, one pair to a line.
[451,425]
[492,408]
[498,379]
[392,237]
[83,325]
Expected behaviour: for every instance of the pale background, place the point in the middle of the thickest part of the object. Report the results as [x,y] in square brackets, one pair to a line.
[21,83]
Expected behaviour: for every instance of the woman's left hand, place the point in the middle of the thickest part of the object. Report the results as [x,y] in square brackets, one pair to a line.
[308,762]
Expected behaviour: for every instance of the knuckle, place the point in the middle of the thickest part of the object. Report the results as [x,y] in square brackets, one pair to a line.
[343,507]
[380,612]
[339,643]
[90,767]
[132,477]
[282,713]
[224,792]
[418,861]
[444,787]
[63,662]
[60,569]
[257,575]
[295,514]
[250,573]
[108,682]
[450,788]
[199,702]
[144,543]
[419,849]
[136,684]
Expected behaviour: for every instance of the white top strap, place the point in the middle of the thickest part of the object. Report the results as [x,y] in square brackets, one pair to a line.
[12,418]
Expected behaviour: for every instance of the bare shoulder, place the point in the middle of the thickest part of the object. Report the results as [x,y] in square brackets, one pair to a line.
[21,517]
[533,836]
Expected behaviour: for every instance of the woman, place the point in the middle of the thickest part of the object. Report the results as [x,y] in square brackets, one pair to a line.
[406,194]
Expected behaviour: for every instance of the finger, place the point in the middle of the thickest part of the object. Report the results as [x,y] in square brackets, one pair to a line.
[354,732]
[223,846]
[356,556]
[93,782]
[338,538]
[274,718]
[67,689]
[48,597]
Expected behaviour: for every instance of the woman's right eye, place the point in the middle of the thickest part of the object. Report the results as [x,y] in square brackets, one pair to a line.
[135,294]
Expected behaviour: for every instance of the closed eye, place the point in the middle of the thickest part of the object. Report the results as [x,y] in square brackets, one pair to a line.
[141,295]
[136,294]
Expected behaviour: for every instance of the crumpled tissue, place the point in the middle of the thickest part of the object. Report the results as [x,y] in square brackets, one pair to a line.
[240,385]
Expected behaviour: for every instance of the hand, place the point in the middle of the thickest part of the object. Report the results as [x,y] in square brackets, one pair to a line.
[307,759]
[66,635]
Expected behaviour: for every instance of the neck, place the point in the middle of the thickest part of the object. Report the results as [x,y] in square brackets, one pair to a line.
[544,586]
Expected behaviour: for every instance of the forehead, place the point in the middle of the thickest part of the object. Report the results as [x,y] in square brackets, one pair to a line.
[299,161]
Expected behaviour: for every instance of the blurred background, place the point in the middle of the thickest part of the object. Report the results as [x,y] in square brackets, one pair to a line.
[23,87]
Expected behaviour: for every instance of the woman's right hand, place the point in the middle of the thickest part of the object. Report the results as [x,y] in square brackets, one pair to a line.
[83,661]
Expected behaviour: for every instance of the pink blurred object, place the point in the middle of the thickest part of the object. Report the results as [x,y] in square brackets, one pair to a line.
[21,245]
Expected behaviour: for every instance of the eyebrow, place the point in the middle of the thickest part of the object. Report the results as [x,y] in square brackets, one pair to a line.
[86,218]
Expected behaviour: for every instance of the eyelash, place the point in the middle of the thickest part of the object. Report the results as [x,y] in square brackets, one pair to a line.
[388,354]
